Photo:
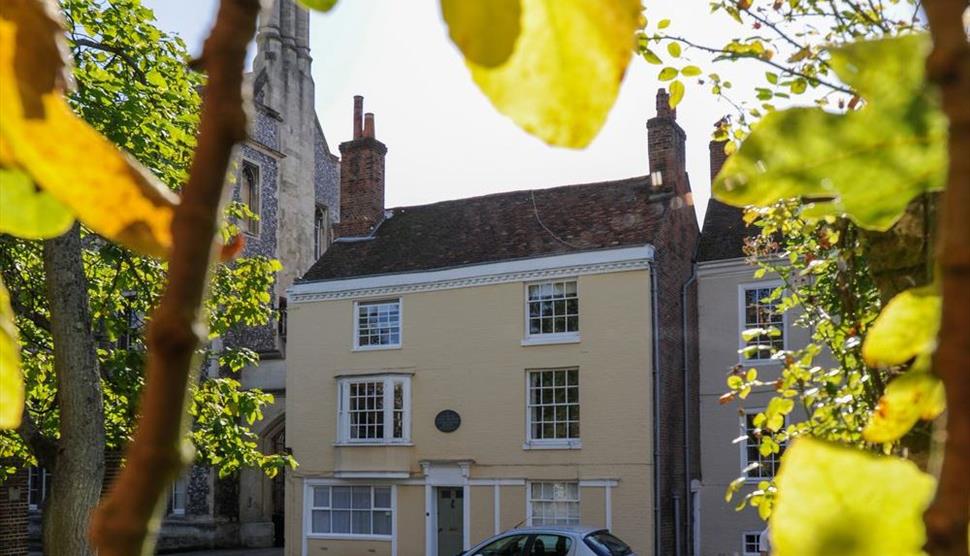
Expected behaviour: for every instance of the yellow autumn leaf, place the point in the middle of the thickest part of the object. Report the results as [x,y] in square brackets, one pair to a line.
[484,30]
[918,394]
[565,72]
[105,188]
[11,381]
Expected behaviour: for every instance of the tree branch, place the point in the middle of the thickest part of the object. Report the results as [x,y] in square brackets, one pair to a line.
[948,65]
[44,448]
[776,65]
[121,524]
[119,52]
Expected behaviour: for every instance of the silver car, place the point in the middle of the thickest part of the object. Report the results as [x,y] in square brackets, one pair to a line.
[552,540]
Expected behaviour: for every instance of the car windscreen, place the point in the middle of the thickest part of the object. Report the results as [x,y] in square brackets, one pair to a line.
[605,544]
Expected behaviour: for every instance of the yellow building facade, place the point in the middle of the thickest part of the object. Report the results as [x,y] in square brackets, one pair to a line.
[430,410]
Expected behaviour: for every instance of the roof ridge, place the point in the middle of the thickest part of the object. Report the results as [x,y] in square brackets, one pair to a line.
[621,181]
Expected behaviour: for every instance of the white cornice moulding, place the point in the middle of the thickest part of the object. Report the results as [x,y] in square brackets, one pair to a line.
[519,270]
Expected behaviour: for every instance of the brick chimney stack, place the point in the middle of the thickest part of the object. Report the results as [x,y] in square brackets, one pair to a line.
[361,177]
[718,156]
[666,149]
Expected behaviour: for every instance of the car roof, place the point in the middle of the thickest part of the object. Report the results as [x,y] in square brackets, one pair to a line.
[564,529]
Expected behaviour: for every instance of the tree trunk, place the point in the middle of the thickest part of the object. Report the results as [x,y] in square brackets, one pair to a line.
[79,466]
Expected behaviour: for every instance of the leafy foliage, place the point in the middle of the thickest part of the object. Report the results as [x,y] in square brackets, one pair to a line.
[790,39]
[868,505]
[897,140]
[48,141]
[11,383]
[135,88]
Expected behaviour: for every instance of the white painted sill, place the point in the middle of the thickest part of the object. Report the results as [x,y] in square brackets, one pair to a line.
[332,536]
[553,445]
[345,444]
[551,340]
[376,348]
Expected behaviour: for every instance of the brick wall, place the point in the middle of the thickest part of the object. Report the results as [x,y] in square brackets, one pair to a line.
[13,514]
[675,244]
[361,178]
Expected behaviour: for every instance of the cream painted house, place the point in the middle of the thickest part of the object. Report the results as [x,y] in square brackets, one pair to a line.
[731,300]
[466,367]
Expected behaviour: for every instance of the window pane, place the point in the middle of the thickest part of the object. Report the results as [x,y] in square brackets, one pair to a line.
[382,523]
[379,323]
[321,521]
[341,521]
[553,404]
[553,308]
[321,497]
[361,498]
[382,497]
[341,497]
[360,523]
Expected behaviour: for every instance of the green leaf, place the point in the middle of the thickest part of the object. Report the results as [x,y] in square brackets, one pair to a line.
[690,71]
[484,30]
[155,79]
[915,395]
[867,164]
[28,212]
[651,57]
[837,500]
[799,86]
[906,327]
[674,49]
[663,24]
[676,93]
[319,5]
[564,75]
[667,73]
[771,77]
[11,380]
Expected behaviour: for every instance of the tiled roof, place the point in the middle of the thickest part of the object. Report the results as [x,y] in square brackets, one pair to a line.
[503,226]
[723,233]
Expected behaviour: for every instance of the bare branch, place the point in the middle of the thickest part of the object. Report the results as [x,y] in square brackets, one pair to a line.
[738,55]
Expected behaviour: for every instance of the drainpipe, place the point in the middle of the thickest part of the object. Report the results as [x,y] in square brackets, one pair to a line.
[683,305]
[677,522]
[656,408]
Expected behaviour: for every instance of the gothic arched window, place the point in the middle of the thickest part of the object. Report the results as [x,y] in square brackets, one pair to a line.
[249,195]
[321,230]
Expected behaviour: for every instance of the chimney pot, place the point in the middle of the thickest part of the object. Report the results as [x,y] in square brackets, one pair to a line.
[369,125]
[663,105]
[358,118]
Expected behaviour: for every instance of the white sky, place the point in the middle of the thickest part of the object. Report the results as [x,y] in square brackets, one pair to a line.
[444,139]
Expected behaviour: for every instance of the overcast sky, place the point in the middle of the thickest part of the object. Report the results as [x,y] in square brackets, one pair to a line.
[444,139]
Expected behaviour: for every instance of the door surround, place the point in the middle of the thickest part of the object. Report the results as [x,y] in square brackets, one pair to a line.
[445,473]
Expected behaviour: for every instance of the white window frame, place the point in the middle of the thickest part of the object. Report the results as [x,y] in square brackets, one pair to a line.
[182,484]
[743,325]
[252,228]
[743,423]
[529,500]
[308,508]
[530,339]
[744,543]
[550,443]
[44,475]
[343,409]
[400,324]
